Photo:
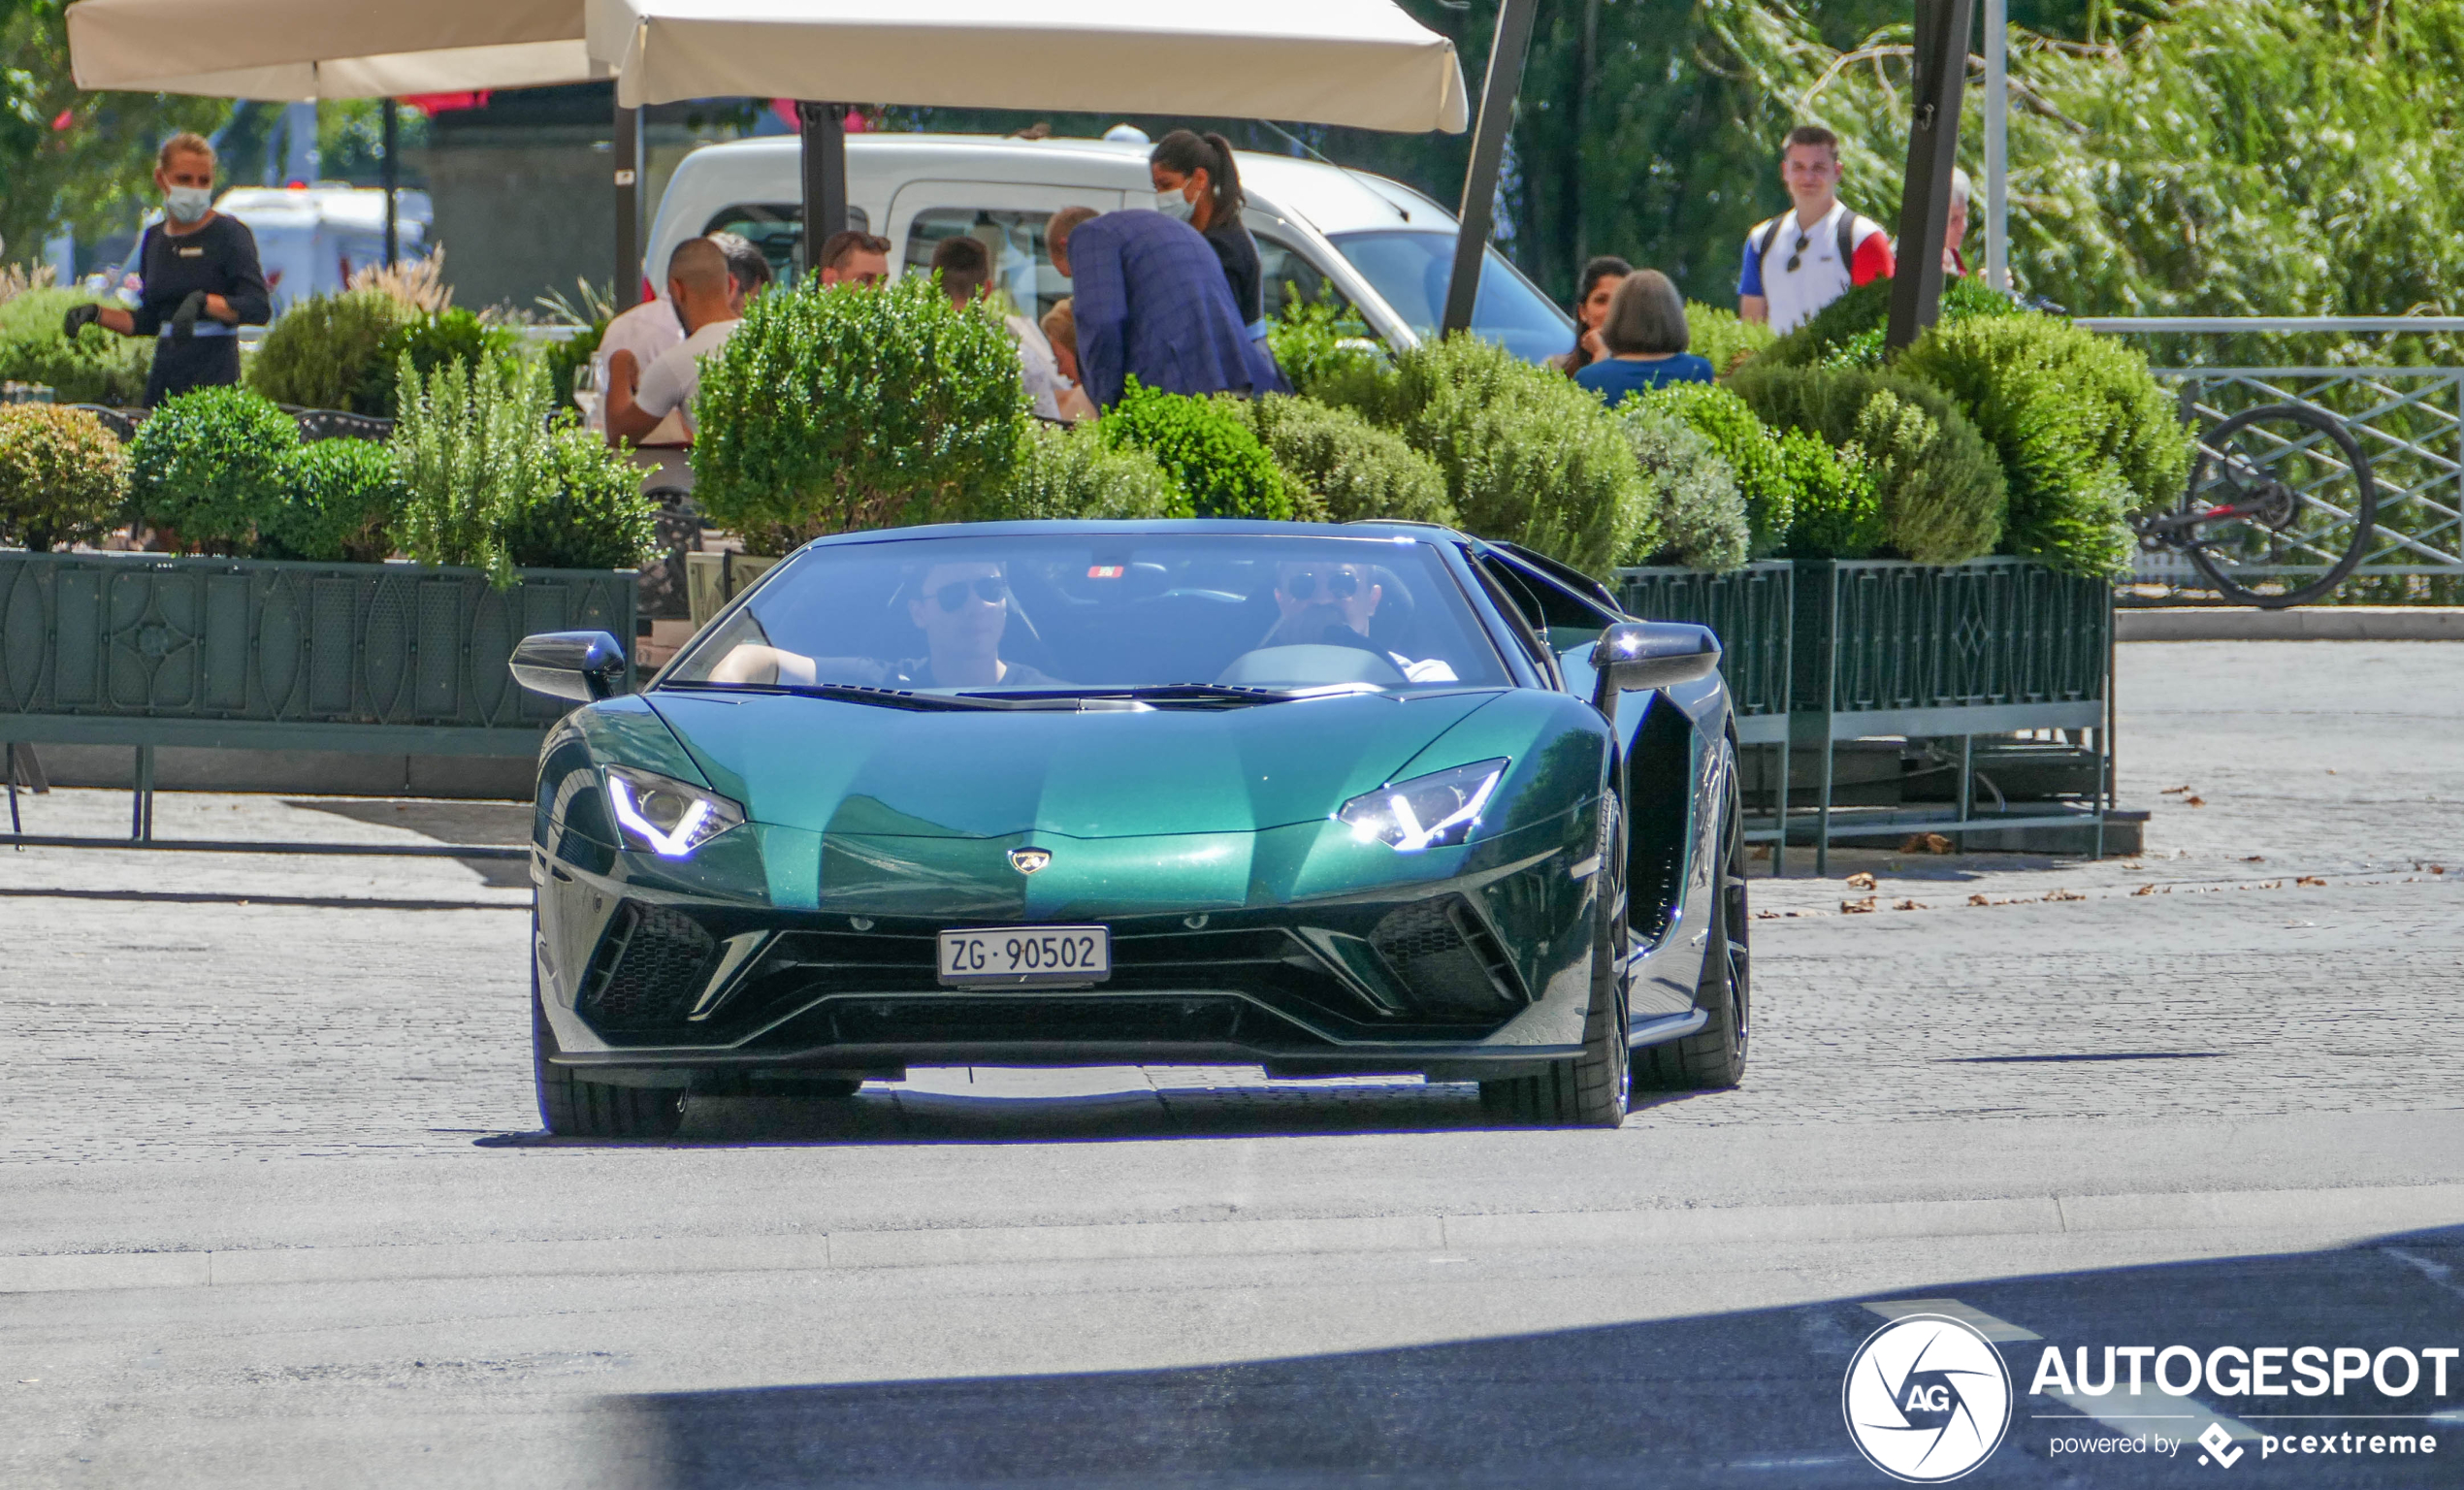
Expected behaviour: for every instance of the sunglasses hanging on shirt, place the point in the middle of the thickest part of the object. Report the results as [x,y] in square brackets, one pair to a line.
[1794,259]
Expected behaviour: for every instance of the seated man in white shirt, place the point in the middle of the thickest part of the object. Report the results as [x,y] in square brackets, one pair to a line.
[703,293]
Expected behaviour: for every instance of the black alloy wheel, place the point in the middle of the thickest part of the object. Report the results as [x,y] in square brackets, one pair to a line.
[571,1107]
[1714,1057]
[1592,1089]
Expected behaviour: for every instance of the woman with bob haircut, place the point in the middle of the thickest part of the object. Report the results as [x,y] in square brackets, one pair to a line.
[1645,334]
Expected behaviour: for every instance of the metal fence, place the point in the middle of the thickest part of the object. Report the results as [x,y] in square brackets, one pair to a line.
[2408,420]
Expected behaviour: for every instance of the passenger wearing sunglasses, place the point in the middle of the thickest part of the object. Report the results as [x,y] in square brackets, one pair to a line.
[963,610]
[1803,260]
[1332,604]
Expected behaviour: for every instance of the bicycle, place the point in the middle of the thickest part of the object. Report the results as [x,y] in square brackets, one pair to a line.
[2280,494]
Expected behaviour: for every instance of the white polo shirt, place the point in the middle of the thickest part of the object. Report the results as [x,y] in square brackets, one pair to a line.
[1821,275]
[667,385]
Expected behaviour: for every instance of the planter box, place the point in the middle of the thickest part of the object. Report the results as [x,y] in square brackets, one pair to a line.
[711,580]
[1874,647]
[142,650]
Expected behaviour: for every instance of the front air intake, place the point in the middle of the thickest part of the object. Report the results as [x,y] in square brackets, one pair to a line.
[1441,952]
[650,967]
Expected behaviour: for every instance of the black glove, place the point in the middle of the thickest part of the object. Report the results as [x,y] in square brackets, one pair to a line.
[183,321]
[79,318]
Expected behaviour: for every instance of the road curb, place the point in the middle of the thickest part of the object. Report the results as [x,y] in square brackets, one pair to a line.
[2355,1212]
[2320,623]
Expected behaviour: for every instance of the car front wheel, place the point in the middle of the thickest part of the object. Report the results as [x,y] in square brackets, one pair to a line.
[573,1108]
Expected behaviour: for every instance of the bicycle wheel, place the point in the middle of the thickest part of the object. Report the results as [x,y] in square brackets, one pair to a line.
[2303,500]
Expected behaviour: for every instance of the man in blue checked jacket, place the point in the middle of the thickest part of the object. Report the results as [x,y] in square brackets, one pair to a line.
[1151,302]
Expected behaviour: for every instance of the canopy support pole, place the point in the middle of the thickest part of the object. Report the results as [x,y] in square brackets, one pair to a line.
[392,184]
[1934,148]
[1997,152]
[824,127]
[1489,155]
[627,142]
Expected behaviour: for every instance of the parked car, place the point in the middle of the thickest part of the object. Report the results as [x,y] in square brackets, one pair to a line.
[1377,797]
[1379,244]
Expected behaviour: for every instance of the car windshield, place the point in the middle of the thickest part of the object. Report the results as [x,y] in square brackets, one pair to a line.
[1409,269]
[1188,619]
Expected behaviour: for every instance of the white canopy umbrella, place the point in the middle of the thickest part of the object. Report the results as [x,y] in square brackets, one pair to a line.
[318,49]
[1357,63]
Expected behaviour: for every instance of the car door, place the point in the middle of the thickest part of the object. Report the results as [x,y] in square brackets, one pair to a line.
[1007,217]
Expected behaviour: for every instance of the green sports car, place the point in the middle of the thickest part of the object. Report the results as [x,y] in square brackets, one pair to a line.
[1377,797]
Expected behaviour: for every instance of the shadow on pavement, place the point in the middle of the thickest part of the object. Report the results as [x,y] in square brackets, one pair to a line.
[496,825]
[1748,1398]
[1255,1108]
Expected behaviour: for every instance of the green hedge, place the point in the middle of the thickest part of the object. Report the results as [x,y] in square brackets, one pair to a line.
[99,367]
[1838,499]
[338,502]
[2083,432]
[1698,516]
[589,514]
[63,478]
[1355,469]
[1937,484]
[209,465]
[1075,472]
[326,350]
[836,409]
[1763,475]
[1849,330]
[1206,447]
[1723,337]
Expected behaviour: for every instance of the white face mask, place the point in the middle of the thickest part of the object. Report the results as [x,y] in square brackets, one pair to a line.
[187,204]
[1172,203]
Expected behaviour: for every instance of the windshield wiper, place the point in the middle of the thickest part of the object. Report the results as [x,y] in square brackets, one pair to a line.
[1165,694]
[853,692]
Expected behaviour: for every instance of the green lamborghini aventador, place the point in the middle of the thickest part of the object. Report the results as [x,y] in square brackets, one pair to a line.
[1326,799]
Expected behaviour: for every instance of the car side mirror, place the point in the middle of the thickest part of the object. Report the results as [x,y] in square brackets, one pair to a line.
[582,665]
[1649,653]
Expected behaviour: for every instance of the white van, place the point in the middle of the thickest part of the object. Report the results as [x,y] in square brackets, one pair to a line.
[1384,248]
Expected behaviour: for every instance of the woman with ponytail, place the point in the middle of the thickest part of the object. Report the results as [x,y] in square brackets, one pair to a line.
[1196,181]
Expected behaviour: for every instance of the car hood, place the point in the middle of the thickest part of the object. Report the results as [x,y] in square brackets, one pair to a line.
[838,767]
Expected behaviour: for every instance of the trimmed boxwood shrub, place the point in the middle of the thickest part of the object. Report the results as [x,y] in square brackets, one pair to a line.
[1849,330]
[63,478]
[1205,446]
[1752,451]
[1723,337]
[431,340]
[1936,482]
[1074,472]
[2083,432]
[836,409]
[340,501]
[1698,516]
[323,352]
[1354,469]
[1838,508]
[208,467]
[98,367]
[1527,455]
[589,514]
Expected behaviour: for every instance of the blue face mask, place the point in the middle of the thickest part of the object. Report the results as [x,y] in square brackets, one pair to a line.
[187,204]
[1172,203]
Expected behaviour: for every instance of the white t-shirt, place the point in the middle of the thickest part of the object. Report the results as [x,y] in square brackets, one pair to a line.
[1821,275]
[647,331]
[1038,369]
[667,385]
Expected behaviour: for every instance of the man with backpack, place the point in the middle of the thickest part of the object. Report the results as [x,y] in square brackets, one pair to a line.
[1803,260]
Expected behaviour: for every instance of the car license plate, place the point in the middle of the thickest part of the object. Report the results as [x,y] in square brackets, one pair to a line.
[1019,957]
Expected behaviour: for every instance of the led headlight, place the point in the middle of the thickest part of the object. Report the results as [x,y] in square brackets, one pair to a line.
[1436,810]
[665,815]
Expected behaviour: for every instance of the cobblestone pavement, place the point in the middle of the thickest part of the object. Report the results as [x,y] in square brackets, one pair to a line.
[194,1006]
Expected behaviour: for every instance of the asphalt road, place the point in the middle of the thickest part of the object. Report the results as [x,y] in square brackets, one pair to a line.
[273,1211]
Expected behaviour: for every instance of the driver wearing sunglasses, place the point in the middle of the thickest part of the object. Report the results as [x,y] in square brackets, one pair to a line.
[963,610]
[1322,602]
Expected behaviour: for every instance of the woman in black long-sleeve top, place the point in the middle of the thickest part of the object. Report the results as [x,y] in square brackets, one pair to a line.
[201,281]
[1196,181]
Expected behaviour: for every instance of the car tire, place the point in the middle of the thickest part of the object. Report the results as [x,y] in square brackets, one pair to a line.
[572,1108]
[1714,1056]
[1590,1090]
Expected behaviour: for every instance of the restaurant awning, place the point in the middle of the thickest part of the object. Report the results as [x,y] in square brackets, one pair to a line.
[291,49]
[1356,62]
